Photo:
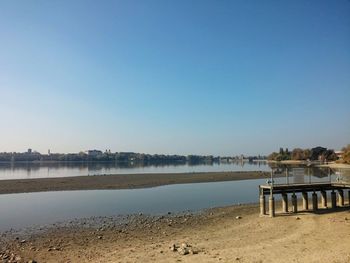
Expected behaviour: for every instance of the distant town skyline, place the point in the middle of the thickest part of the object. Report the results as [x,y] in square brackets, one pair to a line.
[109,151]
[174,77]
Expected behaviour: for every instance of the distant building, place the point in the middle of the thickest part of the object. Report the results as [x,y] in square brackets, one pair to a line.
[29,151]
[339,154]
[94,152]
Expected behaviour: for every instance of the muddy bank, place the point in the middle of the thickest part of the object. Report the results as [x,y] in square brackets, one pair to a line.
[120,181]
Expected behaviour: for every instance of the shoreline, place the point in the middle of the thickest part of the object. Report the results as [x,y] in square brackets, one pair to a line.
[222,234]
[121,181]
[301,162]
[333,165]
[336,165]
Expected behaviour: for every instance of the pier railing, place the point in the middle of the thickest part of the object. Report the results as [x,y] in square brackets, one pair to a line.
[305,181]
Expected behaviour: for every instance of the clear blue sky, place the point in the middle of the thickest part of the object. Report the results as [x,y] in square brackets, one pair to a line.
[202,77]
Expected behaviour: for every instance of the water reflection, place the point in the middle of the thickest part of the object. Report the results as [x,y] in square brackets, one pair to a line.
[65,169]
[282,173]
[50,207]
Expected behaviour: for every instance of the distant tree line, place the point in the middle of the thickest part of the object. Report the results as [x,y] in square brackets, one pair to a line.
[314,154]
[120,157]
[346,155]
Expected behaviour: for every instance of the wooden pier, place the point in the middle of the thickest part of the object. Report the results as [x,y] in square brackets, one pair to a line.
[337,191]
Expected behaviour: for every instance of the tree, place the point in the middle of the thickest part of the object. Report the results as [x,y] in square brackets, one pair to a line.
[272,156]
[329,155]
[346,154]
[307,153]
[281,151]
[298,154]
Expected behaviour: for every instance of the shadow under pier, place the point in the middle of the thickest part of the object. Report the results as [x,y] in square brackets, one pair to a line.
[317,198]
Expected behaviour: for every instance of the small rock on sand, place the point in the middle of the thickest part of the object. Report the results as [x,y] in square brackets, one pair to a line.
[173,247]
[184,245]
[183,249]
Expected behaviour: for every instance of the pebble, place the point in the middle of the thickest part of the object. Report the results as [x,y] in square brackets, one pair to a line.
[183,249]
[193,252]
[238,217]
[184,245]
[173,247]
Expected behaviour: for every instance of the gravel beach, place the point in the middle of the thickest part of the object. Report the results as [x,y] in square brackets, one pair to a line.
[228,234]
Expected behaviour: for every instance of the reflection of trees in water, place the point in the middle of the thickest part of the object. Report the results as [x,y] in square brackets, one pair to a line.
[88,165]
[126,165]
[35,166]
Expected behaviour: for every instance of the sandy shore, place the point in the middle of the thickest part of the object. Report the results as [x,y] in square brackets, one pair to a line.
[332,165]
[336,165]
[301,162]
[120,181]
[213,236]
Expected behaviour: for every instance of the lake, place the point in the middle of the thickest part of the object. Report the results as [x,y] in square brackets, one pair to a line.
[28,209]
[37,170]
[35,209]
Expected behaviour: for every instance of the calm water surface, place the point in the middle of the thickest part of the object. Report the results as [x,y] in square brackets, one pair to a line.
[27,171]
[35,209]
[23,210]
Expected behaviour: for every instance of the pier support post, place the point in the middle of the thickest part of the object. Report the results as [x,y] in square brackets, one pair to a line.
[341,197]
[271,206]
[314,202]
[294,203]
[305,201]
[333,199]
[324,198]
[285,203]
[262,205]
